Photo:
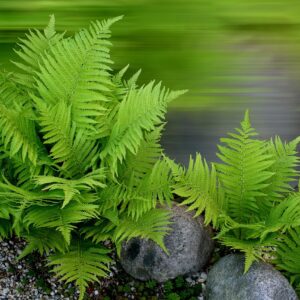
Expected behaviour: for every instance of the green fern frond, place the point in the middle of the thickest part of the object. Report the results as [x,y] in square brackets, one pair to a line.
[288,255]
[284,216]
[18,133]
[31,51]
[245,172]
[153,225]
[135,167]
[25,172]
[5,229]
[10,93]
[71,188]
[17,124]
[76,72]
[284,168]
[43,240]
[63,220]
[112,196]
[140,112]
[83,263]
[70,148]
[154,188]
[99,232]
[157,185]
[251,249]
[19,199]
[198,186]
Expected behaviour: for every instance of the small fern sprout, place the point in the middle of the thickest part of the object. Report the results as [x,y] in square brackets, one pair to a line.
[81,158]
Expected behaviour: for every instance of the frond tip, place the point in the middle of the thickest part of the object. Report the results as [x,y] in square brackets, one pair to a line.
[83,263]
[199,188]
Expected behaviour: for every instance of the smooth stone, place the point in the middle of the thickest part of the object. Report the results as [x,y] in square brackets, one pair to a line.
[227,281]
[189,244]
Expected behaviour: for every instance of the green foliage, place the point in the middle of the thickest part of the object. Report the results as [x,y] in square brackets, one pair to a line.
[248,196]
[84,262]
[198,186]
[80,152]
[151,284]
[288,256]
[173,296]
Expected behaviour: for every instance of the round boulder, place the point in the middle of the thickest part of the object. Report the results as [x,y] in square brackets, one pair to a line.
[227,281]
[189,245]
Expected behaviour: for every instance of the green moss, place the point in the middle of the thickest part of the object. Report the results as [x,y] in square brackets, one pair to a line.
[173,296]
[151,284]
[179,282]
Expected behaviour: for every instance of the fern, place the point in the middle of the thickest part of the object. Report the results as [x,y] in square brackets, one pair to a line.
[247,196]
[76,72]
[154,188]
[136,166]
[71,188]
[245,171]
[198,187]
[133,120]
[44,241]
[284,168]
[83,263]
[151,225]
[288,255]
[63,220]
[80,152]
[31,51]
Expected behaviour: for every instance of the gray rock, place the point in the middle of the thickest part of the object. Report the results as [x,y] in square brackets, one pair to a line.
[189,245]
[227,281]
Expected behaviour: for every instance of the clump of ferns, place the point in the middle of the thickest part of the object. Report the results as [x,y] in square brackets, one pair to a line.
[80,152]
[248,196]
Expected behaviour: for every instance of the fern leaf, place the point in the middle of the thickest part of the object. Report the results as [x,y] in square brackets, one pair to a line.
[5,229]
[44,241]
[77,73]
[25,172]
[284,168]
[112,196]
[71,188]
[141,111]
[99,232]
[83,263]
[251,249]
[31,51]
[154,225]
[10,93]
[18,133]
[135,167]
[63,220]
[154,188]
[284,216]
[139,197]
[288,253]
[20,199]
[70,148]
[244,173]
[198,186]
[17,124]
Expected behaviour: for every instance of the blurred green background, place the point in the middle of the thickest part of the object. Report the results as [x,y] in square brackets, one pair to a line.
[229,54]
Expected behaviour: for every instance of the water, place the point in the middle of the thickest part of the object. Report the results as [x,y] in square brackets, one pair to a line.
[229,57]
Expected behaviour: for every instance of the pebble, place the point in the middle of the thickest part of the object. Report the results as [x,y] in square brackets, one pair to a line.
[16,272]
[15,283]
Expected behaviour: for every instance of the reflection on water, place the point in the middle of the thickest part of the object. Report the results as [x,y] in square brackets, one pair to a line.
[274,109]
[231,55]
